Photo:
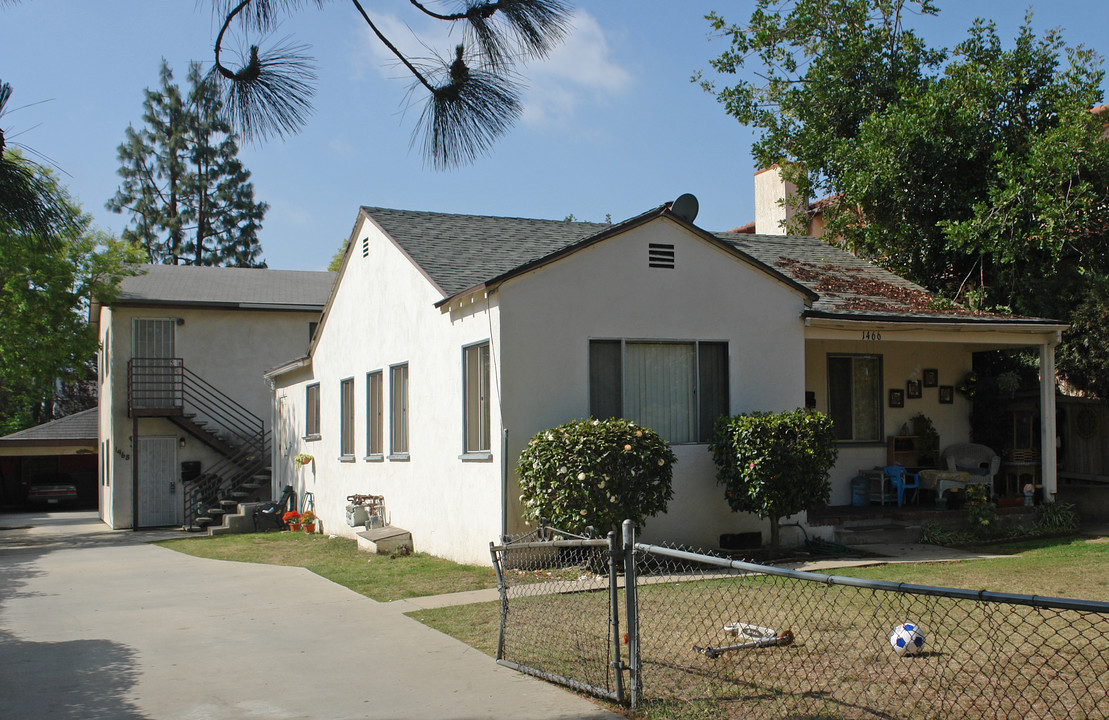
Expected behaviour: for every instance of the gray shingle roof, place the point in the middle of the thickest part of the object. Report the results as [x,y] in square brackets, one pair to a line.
[459,252]
[223,286]
[77,429]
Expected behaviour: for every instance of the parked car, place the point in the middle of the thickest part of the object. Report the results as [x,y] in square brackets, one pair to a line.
[52,489]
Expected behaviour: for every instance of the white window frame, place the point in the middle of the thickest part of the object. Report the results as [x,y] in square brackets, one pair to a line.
[476,403]
[853,437]
[699,424]
[312,412]
[399,421]
[346,420]
[375,418]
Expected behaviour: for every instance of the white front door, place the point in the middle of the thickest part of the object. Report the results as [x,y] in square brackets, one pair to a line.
[157,486]
[152,346]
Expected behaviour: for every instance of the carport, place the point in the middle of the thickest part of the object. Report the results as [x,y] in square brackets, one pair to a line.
[65,446]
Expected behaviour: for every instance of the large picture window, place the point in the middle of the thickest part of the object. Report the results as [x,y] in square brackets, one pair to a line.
[678,389]
[855,397]
[475,381]
[374,414]
[346,418]
[312,412]
[398,410]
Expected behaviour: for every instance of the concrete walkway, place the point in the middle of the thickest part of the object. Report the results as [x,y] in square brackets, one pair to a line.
[97,623]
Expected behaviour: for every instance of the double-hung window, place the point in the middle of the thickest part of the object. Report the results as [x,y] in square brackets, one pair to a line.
[374,415]
[398,411]
[312,412]
[678,389]
[475,390]
[855,397]
[346,419]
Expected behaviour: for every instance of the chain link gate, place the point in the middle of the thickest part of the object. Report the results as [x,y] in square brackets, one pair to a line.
[560,609]
[715,637]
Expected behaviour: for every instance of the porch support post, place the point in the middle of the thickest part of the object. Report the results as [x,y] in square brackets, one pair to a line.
[1048,431]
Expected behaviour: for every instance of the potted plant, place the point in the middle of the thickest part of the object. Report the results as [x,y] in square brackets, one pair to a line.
[303,459]
[292,520]
[308,519]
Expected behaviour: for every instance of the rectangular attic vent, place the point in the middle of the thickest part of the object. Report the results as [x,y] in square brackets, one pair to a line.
[660,256]
[365,247]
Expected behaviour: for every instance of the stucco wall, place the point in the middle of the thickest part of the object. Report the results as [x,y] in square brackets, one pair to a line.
[903,359]
[228,348]
[607,291]
[383,314]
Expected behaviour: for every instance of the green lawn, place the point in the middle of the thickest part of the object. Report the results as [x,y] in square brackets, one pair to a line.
[380,577]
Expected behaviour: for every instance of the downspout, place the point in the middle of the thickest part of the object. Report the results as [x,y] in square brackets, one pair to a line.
[504,482]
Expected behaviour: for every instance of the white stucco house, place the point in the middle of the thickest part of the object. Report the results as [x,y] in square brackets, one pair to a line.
[449,340]
[183,409]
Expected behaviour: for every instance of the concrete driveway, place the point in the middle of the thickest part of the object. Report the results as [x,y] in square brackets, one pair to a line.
[97,623]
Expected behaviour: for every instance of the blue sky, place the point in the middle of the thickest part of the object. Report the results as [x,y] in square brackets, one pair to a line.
[613,125]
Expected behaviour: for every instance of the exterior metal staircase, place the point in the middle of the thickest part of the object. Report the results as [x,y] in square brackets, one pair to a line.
[164,387]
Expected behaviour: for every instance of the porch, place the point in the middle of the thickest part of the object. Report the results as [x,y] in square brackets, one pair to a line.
[885,524]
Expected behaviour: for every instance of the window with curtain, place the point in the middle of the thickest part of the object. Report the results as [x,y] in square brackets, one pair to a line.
[374,414]
[346,418]
[398,410]
[677,389]
[475,380]
[312,411]
[855,397]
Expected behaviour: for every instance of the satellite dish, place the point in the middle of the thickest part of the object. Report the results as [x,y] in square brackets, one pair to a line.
[685,208]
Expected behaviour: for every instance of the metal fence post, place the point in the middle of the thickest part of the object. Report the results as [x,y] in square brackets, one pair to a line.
[503,592]
[635,691]
[614,557]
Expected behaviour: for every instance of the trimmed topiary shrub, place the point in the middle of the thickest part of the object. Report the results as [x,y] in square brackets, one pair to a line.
[774,464]
[595,473]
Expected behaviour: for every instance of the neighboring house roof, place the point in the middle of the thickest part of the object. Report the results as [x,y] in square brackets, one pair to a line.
[228,287]
[76,429]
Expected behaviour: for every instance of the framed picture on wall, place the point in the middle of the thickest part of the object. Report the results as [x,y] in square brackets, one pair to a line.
[931,377]
[912,388]
[947,394]
[897,398]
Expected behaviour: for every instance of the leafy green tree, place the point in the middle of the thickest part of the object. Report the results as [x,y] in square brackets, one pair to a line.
[978,172]
[774,464]
[595,473]
[471,95]
[44,304]
[188,195]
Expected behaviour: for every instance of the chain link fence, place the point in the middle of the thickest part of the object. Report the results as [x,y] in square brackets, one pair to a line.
[701,636]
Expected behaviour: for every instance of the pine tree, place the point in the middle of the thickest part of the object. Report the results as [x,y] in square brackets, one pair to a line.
[189,197]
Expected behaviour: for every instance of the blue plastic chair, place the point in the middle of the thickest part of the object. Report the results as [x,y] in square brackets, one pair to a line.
[900,478]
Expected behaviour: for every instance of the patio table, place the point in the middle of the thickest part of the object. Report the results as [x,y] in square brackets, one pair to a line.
[941,480]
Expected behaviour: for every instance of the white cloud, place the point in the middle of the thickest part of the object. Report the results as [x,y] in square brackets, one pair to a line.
[582,68]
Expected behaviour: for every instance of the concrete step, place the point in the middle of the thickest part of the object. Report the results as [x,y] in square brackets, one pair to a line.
[384,541]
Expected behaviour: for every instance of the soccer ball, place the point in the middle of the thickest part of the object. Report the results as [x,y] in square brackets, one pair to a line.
[907,639]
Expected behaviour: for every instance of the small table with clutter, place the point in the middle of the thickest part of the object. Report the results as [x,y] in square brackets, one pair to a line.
[944,480]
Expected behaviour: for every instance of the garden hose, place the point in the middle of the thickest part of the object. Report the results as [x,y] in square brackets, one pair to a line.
[818,546]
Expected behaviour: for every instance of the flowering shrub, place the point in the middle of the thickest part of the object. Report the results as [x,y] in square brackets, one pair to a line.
[595,473]
[774,464]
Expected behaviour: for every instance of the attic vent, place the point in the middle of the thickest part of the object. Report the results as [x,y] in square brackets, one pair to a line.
[365,247]
[660,256]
